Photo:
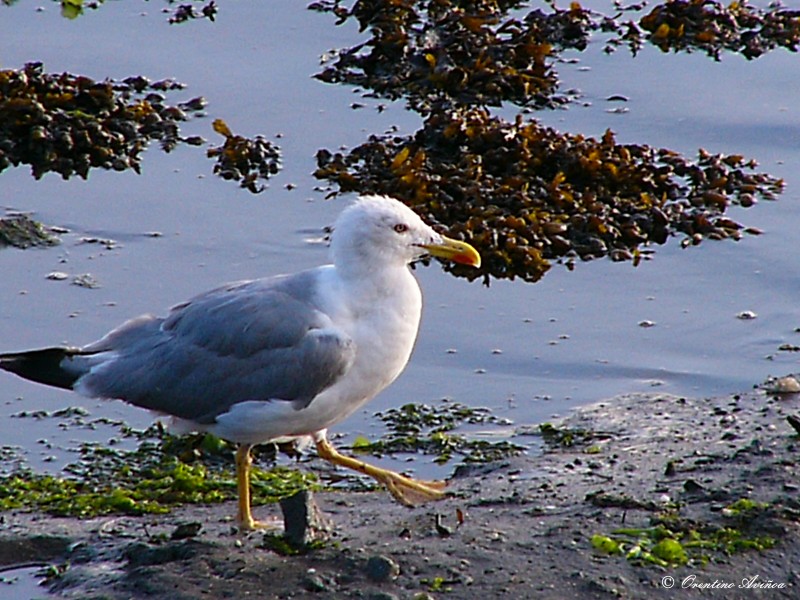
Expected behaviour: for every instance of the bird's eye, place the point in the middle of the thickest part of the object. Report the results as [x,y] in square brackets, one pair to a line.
[401,228]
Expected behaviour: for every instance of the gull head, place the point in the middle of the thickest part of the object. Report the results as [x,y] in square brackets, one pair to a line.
[381,232]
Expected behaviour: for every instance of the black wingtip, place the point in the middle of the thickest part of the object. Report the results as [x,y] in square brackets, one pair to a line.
[43,366]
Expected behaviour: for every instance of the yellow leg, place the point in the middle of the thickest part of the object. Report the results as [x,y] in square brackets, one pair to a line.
[244,517]
[407,491]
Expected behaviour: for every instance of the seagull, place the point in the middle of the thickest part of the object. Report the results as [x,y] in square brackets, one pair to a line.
[277,358]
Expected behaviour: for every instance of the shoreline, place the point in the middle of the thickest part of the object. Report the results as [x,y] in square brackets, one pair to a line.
[560,524]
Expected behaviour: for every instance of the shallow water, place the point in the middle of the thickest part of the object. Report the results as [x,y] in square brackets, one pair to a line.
[23,583]
[527,351]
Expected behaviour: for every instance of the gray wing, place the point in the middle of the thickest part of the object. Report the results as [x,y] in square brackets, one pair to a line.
[257,340]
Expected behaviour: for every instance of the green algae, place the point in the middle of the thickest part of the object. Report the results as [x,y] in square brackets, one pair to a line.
[663,547]
[673,540]
[284,546]
[430,430]
[149,479]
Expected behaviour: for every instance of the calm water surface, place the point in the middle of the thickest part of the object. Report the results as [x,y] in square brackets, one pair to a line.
[527,351]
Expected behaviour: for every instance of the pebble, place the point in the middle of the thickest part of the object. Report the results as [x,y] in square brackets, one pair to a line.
[314,583]
[782,385]
[381,569]
[382,596]
[186,530]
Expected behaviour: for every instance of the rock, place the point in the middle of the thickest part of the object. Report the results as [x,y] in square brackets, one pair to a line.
[303,521]
[186,530]
[382,596]
[782,385]
[139,554]
[314,583]
[23,232]
[381,569]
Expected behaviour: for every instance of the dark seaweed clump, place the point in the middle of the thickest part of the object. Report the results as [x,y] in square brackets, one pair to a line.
[21,231]
[525,194]
[464,52]
[245,160]
[522,193]
[69,124]
[186,12]
[682,25]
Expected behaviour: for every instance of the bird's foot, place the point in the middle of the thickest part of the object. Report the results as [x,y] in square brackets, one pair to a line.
[405,490]
[410,492]
[249,524]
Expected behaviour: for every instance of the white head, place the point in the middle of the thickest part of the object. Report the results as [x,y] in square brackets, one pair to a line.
[381,232]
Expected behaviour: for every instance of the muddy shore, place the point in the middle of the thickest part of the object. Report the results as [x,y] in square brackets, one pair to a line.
[518,528]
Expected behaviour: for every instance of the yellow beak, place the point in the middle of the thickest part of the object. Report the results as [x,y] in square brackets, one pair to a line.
[458,252]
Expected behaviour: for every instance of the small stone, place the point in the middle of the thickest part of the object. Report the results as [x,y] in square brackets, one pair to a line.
[382,596]
[782,385]
[381,569]
[314,583]
[57,276]
[747,315]
[303,521]
[186,530]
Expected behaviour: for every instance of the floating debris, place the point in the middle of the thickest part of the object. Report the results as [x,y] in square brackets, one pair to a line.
[107,243]
[72,9]
[21,231]
[69,124]
[245,160]
[746,315]
[57,276]
[86,280]
[524,194]
[187,12]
